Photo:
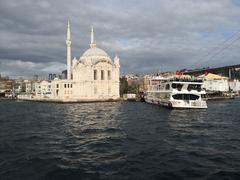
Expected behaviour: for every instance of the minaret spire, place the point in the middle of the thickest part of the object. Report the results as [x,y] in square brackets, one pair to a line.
[93,43]
[68,31]
[69,56]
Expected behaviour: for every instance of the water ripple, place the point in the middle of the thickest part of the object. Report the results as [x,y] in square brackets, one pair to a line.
[118,140]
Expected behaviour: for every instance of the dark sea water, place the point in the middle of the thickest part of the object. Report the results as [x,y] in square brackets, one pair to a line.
[118,140]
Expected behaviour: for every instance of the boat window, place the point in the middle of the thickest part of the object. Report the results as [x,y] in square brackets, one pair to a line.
[177,96]
[185,97]
[174,86]
[203,95]
[167,87]
[177,86]
[193,97]
[194,87]
[161,86]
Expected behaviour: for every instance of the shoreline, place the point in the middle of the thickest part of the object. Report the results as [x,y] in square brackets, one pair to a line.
[62,101]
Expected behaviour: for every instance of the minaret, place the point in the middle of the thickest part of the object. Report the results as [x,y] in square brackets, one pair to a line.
[69,61]
[93,43]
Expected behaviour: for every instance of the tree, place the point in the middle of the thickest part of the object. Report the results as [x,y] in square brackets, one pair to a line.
[125,88]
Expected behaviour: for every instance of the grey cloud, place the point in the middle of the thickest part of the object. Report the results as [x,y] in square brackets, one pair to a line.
[147,35]
[29,69]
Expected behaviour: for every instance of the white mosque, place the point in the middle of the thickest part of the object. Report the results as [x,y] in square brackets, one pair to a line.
[92,77]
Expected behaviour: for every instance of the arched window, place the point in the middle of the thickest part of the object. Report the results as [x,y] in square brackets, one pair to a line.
[95,74]
[102,74]
[109,75]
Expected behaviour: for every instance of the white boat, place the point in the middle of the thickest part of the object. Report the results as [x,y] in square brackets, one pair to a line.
[176,93]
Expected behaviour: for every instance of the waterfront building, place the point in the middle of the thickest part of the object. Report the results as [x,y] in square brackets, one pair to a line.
[6,85]
[28,86]
[214,82]
[235,86]
[19,86]
[94,76]
[43,89]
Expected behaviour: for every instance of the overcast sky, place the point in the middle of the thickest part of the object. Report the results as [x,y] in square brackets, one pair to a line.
[148,35]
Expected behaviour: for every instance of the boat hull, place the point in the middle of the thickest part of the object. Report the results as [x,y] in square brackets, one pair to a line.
[178,104]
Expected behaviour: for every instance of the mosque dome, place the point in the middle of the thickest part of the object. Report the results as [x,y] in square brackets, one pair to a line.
[94,54]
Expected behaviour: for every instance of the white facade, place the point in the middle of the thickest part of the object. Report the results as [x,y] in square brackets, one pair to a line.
[43,89]
[92,77]
[214,82]
[234,85]
[216,85]
[29,86]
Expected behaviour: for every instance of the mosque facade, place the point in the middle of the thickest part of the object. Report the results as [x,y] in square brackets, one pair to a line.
[92,77]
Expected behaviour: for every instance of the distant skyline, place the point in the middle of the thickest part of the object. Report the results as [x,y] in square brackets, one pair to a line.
[148,36]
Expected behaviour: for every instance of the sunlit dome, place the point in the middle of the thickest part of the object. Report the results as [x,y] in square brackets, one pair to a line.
[94,54]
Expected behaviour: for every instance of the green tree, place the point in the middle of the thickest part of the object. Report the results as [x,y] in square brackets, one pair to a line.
[126,88]
[123,86]
[132,89]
